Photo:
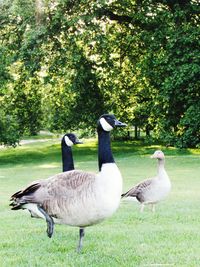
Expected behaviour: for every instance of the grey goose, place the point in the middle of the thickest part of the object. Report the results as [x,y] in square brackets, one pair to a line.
[78,198]
[153,190]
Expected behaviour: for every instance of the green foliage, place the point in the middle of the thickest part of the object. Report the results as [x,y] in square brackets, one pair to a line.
[4,74]
[89,104]
[9,129]
[26,101]
[64,63]
[189,127]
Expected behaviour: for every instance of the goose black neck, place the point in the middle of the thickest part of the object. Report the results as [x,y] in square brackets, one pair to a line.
[67,158]
[104,148]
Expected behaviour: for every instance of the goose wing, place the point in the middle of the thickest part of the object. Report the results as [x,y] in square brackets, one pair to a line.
[55,190]
[139,188]
[22,196]
[67,184]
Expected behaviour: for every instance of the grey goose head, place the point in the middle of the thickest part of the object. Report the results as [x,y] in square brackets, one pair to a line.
[158,154]
[108,122]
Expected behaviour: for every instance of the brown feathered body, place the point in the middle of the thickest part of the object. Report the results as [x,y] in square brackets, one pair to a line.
[75,197]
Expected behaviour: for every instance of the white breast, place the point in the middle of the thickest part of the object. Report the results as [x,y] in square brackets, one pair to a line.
[109,188]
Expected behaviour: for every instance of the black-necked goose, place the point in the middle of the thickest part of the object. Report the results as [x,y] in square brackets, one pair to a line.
[152,190]
[67,142]
[78,198]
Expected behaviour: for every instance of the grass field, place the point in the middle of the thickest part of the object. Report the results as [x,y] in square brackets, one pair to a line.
[170,237]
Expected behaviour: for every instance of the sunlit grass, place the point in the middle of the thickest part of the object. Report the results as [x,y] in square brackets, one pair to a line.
[169,237]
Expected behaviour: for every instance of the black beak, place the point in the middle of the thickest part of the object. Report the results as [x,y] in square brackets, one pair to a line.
[78,142]
[120,124]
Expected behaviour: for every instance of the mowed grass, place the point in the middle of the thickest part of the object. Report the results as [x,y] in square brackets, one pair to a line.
[170,237]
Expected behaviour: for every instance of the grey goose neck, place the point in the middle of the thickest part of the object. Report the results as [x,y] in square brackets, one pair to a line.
[104,148]
[161,163]
[67,158]
[161,167]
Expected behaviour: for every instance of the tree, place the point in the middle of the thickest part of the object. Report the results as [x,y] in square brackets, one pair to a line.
[26,101]
[136,59]
[167,49]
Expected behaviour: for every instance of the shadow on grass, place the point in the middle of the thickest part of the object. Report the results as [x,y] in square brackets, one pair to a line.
[44,153]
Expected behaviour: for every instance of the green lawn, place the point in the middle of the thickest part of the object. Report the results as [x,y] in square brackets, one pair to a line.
[170,237]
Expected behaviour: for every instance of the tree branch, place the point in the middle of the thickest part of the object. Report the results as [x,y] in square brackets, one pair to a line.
[113,16]
[126,19]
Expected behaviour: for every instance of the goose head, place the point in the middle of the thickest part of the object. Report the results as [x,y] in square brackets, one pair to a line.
[158,154]
[108,122]
[70,140]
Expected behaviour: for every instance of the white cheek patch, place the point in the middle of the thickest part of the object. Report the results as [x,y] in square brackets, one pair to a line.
[68,141]
[105,125]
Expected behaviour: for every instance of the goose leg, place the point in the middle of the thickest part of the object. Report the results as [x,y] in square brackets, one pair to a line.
[81,235]
[49,220]
[153,208]
[142,207]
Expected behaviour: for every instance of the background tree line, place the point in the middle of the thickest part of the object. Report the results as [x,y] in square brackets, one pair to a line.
[63,63]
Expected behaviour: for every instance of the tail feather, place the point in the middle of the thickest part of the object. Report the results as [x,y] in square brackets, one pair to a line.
[17,206]
[130,193]
[125,194]
[15,194]
[30,189]
[23,196]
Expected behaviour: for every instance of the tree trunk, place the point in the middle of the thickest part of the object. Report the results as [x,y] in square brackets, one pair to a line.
[147,130]
[136,132]
[39,12]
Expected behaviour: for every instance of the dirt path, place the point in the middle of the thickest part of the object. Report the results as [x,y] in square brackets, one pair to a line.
[25,142]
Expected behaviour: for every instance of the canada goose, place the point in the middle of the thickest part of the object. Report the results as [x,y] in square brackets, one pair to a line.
[67,142]
[78,198]
[152,190]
